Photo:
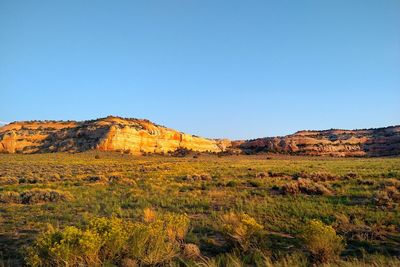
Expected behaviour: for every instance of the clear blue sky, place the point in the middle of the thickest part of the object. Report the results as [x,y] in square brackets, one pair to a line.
[236,69]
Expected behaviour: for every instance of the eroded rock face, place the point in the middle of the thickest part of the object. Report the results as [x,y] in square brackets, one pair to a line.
[108,134]
[370,142]
[137,136]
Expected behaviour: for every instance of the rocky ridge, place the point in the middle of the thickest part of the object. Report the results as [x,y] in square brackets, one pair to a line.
[334,142]
[133,136]
[137,136]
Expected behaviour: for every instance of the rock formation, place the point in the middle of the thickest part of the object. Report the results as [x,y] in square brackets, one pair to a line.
[138,136]
[369,142]
[109,134]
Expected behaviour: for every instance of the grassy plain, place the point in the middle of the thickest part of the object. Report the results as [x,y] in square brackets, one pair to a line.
[359,199]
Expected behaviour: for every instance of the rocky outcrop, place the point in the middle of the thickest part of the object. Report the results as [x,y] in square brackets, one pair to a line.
[137,136]
[369,142]
[109,134]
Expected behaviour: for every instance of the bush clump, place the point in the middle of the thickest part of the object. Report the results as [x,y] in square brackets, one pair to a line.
[113,235]
[388,197]
[113,241]
[181,152]
[68,247]
[30,180]
[10,197]
[262,175]
[198,177]
[275,174]
[34,196]
[317,176]
[305,186]
[351,175]
[322,242]
[231,183]
[8,180]
[37,195]
[241,229]
[96,179]
[365,182]
[392,182]
[191,251]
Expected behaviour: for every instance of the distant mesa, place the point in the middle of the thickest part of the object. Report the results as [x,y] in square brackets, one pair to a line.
[137,136]
[334,142]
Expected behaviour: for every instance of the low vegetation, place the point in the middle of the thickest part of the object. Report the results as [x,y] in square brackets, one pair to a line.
[305,186]
[109,209]
[34,196]
[241,229]
[322,242]
[113,241]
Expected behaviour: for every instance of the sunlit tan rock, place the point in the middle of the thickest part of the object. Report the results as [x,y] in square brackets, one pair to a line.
[137,136]
[369,142]
[108,134]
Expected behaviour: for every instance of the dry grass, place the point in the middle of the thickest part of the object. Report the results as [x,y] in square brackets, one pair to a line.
[238,213]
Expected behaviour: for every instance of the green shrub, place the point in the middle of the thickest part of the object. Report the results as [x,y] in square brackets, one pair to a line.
[111,240]
[176,226]
[158,240]
[322,242]
[241,228]
[113,235]
[68,247]
[150,245]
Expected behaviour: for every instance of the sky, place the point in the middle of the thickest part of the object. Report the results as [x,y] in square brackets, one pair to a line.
[232,69]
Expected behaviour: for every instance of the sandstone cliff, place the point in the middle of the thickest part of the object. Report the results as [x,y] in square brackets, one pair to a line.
[109,134]
[137,136]
[369,142]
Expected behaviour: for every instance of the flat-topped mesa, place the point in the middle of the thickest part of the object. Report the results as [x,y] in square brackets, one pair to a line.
[334,142]
[107,134]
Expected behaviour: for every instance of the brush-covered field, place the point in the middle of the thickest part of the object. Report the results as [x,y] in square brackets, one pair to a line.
[110,209]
